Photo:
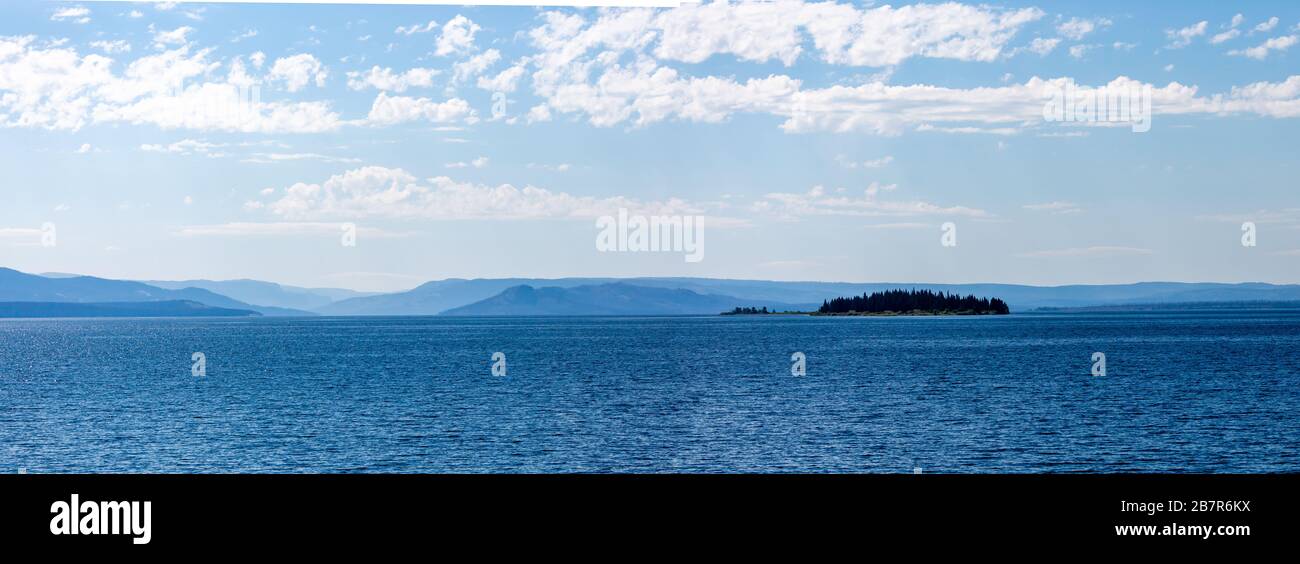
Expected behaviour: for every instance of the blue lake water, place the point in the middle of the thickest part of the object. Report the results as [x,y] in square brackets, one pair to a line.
[1184,392]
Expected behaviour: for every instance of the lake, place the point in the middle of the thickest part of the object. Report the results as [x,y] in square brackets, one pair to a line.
[1183,392]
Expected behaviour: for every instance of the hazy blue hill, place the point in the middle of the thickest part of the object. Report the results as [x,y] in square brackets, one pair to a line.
[609,299]
[1018,297]
[432,298]
[268,294]
[170,308]
[18,286]
[438,296]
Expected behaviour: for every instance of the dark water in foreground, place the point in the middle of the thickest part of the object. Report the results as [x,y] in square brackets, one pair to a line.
[1217,392]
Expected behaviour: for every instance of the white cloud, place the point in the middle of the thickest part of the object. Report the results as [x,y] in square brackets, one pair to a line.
[643,93]
[1055,208]
[646,94]
[249,34]
[1077,28]
[175,37]
[475,65]
[873,163]
[166,6]
[385,79]
[183,147]
[281,229]
[816,202]
[608,68]
[239,76]
[457,36]
[889,109]
[562,167]
[220,107]
[1078,51]
[374,191]
[1225,36]
[20,236]
[476,163]
[272,158]
[48,87]
[1262,50]
[85,148]
[505,81]
[841,34]
[1043,46]
[59,89]
[388,110]
[899,225]
[1266,26]
[416,28]
[1179,38]
[75,14]
[539,113]
[297,71]
[876,188]
[110,47]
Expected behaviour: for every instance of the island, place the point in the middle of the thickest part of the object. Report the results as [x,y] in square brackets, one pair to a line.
[913,302]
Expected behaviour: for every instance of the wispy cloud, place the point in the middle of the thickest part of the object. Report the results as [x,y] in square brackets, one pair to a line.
[380,192]
[1077,28]
[870,163]
[1261,51]
[1182,37]
[900,225]
[253,229]
[20,236]
[271,158]
[74,14]
[1055,207]
[818,202]
[476,163]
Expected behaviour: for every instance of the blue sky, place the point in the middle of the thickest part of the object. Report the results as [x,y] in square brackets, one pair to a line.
[820,141]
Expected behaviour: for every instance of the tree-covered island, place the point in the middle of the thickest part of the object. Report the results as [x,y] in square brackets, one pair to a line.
[913,302]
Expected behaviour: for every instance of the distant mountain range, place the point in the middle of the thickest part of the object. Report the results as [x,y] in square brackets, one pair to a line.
[170,308]
[597,296]
[22,287]
[268,294]
[434,298]
[610,299]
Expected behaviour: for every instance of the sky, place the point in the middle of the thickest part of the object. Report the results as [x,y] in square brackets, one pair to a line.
[827,141]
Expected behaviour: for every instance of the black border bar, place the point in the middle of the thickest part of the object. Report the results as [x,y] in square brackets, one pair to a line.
[226,512]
